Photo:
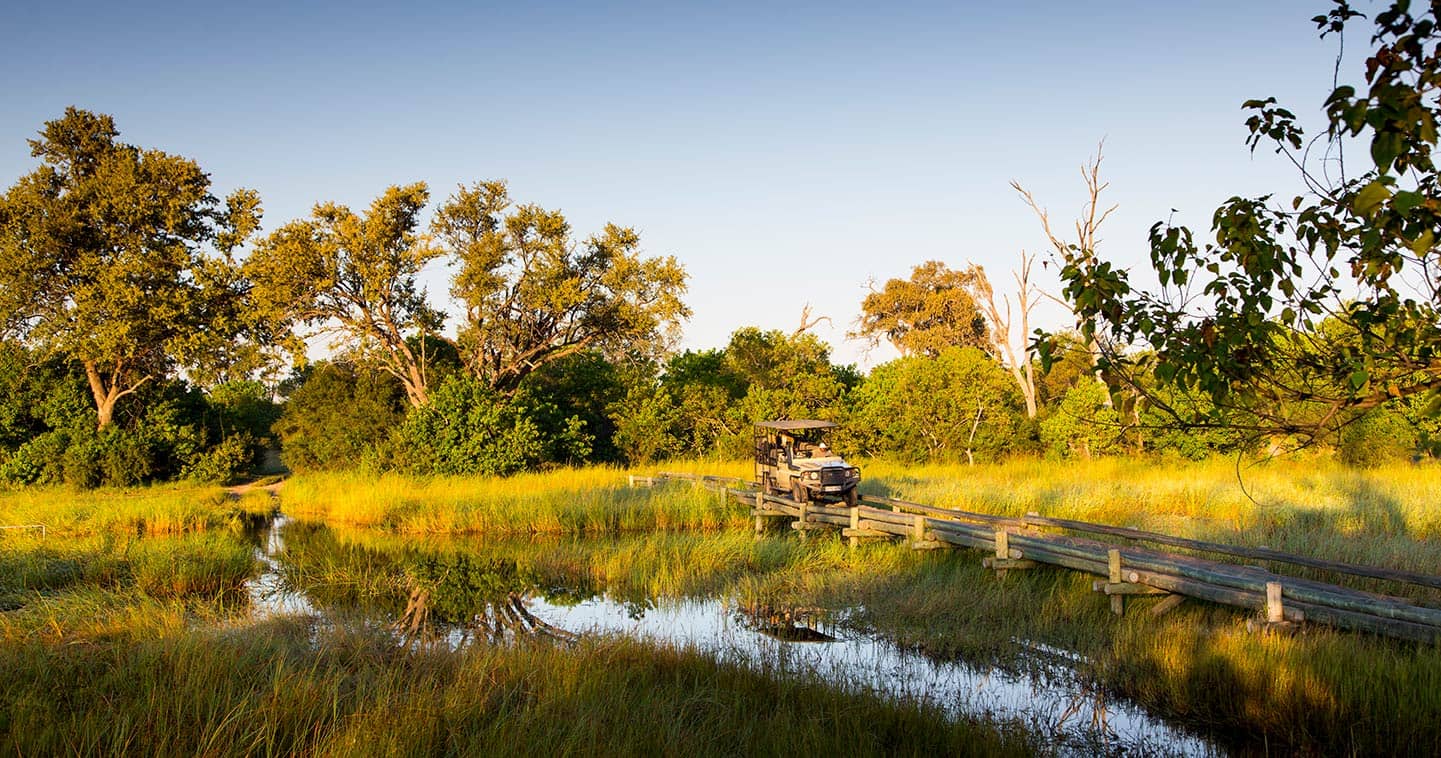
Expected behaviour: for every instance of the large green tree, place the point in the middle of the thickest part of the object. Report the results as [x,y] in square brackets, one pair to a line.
[960,402]
[106,256]
[1301,312]
[354,278]
[533,294]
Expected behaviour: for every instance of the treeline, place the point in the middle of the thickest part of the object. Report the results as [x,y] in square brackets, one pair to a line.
[150,331]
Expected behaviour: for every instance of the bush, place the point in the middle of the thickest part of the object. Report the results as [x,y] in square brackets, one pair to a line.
[467,428]
[226,461]
[1084,426]
[337,416]
[40,460]
[1381,436]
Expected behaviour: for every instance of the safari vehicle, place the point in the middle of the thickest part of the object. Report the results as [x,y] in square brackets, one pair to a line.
[792,458]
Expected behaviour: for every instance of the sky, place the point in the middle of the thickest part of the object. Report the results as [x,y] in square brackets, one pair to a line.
[786,153]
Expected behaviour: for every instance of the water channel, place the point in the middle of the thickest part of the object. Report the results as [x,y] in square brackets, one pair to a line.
[1054,703]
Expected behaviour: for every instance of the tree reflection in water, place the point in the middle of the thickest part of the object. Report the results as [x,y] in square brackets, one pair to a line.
[485,597]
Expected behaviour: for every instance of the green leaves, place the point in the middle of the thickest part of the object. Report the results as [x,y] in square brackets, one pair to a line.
[105,256]
[1370,198]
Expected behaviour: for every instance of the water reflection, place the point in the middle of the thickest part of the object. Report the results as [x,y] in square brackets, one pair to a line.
[456,597]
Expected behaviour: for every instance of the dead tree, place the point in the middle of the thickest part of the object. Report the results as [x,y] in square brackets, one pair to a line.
[807,323]
[1017,361]
[1087,227]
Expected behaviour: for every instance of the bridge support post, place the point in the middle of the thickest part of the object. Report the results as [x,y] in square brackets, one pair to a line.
[1113,568]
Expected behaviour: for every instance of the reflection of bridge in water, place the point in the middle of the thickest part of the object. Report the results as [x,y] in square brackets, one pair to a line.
[1024,543]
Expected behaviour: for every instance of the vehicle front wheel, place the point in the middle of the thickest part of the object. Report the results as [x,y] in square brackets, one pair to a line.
[852,497]
[798,493]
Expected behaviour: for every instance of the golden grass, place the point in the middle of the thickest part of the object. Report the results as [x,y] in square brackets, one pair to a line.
[162,509]
[591,500]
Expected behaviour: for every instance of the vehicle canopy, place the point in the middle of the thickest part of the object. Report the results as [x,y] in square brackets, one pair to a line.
[803,436]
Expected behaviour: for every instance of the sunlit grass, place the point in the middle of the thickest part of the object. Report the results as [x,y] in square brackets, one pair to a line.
[155,510]
[288,687]
[585,500]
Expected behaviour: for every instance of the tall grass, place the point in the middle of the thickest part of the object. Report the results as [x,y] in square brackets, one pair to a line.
[1388,517]
[283,687]
[47,583]
[589,500]
[1318,692]
[155,510]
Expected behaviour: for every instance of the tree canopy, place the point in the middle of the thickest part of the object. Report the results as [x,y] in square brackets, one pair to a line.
[924,315]
[104,256]
[1300,312]
[532,294]
[354,277]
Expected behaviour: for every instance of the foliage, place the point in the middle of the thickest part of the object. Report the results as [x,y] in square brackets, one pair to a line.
[101,255]
[1083,426]
[354,277]
[533,295]
[337,414]
[1251,319]
[469,428]
[959,403]
[924,315]
[582,387]
[787,376]
[1380,436]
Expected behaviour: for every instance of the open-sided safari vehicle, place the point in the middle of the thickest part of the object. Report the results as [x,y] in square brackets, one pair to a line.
[792,458]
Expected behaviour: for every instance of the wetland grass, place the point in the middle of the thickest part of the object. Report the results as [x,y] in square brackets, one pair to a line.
[591,500]
[162,509]
[162,686]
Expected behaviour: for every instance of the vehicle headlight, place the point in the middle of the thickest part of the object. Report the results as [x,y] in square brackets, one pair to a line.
[854,473]
[813,474]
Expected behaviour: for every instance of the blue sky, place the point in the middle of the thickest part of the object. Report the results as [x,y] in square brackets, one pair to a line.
[785,154]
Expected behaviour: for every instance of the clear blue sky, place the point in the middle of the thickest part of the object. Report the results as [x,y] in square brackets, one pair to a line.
[785,156]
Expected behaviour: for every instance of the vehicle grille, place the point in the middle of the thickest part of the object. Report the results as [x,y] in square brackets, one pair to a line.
[833,476]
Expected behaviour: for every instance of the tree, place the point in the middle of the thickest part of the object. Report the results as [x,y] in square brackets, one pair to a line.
[104,255]
[354,278]
[924,315]
[337,414]
[1300,313]
[959,403]
[533,295]
[1003,322]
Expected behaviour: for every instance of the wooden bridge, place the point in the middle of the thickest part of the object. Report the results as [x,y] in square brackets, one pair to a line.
[1126,568]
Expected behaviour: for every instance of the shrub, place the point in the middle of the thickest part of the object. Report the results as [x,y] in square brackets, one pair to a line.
[467,428]
[338,416]
[224,462]
[1381,436]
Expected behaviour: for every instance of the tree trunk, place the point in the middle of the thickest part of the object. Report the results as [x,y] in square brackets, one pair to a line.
[105,397]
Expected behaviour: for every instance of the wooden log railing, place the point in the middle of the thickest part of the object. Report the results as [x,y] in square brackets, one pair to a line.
[1126,569]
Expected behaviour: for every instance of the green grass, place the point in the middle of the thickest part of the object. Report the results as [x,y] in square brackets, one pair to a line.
[154,682]
[1321,691]
[43,580]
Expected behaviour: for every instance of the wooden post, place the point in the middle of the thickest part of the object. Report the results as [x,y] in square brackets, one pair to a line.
[919,528]
[855,525]
[1275,614]
[760,501]
[1113,559]
[1003,550]
[801,522]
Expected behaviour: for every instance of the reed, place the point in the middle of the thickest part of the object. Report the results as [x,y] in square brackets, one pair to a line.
[592,500]
[162,509]
[282,687]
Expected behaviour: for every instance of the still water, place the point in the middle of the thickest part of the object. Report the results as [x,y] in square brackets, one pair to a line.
[1049,699]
